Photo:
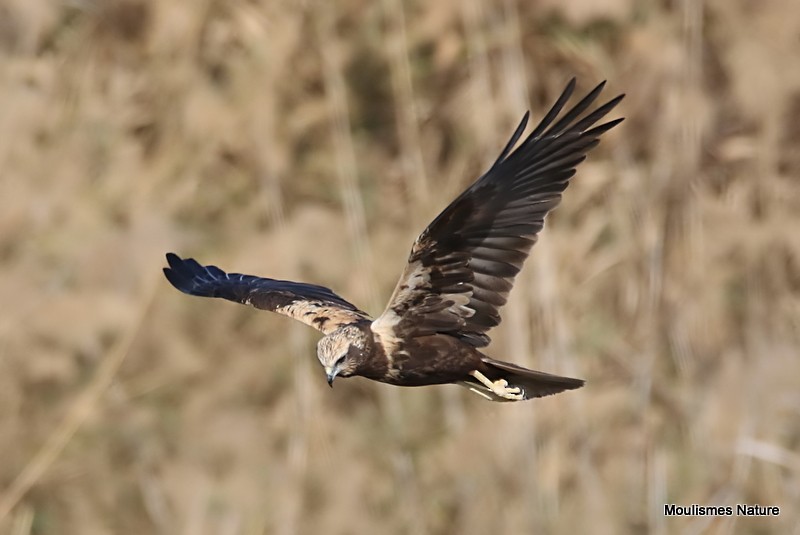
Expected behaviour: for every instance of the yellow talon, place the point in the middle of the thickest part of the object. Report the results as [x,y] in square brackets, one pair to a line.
[499,388]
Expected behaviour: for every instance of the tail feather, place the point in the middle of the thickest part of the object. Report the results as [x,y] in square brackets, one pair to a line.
[534,384]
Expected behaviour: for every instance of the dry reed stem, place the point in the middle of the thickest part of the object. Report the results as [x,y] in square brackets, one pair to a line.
[412,162]
[344,151]
[81,408]
[22,523]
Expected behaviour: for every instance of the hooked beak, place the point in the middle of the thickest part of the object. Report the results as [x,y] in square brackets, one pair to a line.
[331,374]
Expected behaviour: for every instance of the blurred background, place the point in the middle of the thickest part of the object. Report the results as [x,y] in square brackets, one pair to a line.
[313,141]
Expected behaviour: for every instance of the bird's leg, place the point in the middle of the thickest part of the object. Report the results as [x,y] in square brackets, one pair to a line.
[473,388]
[500,387]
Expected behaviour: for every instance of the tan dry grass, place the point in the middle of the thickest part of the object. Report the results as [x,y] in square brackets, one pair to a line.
[313,141]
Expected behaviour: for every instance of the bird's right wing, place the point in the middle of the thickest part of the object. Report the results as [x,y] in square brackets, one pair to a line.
[314,305]
[462,267]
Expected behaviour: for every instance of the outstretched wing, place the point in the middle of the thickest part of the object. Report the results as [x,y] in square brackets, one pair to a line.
[314,305]
[462,267]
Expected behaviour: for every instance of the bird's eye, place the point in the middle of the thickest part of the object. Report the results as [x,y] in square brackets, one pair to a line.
[340,360]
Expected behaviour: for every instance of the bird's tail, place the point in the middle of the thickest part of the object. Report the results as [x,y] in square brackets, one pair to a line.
[532,383]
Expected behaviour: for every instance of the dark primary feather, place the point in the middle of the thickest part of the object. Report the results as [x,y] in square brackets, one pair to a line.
[314,305]
[462,267]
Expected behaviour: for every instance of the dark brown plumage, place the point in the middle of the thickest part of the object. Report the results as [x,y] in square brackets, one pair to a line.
[458,276]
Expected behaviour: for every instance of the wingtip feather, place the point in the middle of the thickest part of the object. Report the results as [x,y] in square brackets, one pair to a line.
[181,273]
[176,280]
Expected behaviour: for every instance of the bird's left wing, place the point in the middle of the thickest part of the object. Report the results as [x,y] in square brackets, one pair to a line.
[314,305]
[462,267]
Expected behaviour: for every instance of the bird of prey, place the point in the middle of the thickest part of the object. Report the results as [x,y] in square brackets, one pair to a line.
[458,276]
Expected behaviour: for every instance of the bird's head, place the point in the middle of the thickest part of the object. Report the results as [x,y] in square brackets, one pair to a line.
[341,351]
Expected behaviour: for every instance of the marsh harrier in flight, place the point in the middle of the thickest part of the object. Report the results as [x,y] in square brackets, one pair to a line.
[458,276]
